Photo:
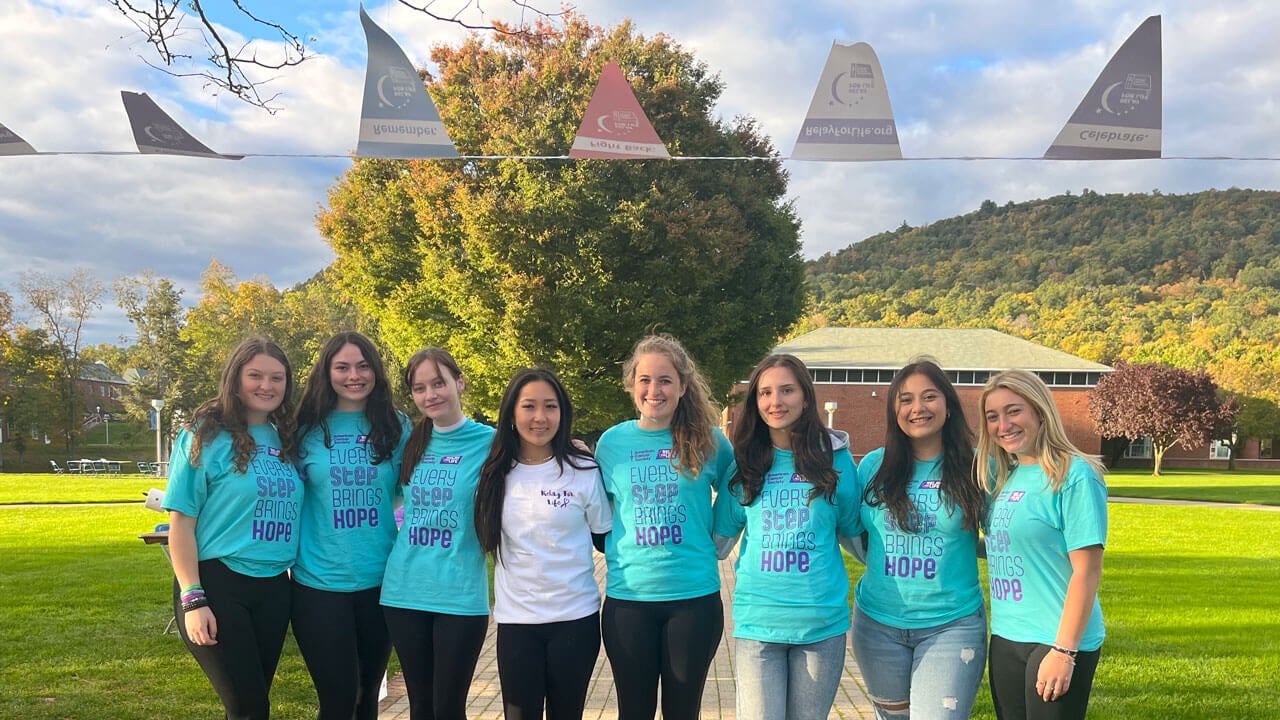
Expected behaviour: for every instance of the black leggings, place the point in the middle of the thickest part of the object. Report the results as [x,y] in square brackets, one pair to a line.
[1013,667]
[549,663]
[674,640]
[438,655]
[343,638]
[252,615]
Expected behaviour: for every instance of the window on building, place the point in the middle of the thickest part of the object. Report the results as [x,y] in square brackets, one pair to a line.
[1265,446]
[1139,449]
[1219,450]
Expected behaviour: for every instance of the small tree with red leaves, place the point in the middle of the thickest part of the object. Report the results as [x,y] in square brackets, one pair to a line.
[1170,405]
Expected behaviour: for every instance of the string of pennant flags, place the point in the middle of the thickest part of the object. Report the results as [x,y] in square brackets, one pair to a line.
[850,117]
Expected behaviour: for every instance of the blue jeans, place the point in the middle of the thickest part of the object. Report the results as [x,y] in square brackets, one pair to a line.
[936,670]
[778,681]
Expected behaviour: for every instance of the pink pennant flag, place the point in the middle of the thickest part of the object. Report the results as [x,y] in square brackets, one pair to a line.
[615,125]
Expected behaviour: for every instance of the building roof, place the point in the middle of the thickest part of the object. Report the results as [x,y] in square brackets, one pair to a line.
[954,349]
[98,372]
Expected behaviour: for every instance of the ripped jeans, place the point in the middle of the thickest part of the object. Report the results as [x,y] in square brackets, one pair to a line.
[937,670]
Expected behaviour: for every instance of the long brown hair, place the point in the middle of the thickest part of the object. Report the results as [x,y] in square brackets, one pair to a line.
[420,438]
[226,412]
[319,398]
[811,443]
[491,491]
[692,438]
[958,486]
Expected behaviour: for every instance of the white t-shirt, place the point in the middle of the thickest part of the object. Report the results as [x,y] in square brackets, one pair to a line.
[544,572]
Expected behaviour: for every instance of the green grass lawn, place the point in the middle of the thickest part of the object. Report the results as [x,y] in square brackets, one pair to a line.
[49,488]
[1189,596]
[1241,486]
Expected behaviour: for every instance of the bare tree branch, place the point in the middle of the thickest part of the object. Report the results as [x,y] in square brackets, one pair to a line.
[167,23]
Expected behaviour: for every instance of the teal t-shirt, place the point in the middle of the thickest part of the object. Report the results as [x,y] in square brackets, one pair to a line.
[922,579]
[660,547]
[437,564]
[247,520]
[347,523]
[792,584]
[1029,533]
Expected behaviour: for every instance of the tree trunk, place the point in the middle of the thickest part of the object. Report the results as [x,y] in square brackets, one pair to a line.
[1157,451]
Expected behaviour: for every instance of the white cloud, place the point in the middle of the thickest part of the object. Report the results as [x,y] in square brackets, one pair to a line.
[966,78]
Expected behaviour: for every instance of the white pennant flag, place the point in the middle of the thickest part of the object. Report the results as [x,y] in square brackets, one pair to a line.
[398,118]
[1120,116]
[850,117]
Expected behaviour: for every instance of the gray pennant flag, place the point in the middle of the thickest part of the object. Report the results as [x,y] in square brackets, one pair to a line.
[11,144]
[398,118]
[1120,116]
[156,133]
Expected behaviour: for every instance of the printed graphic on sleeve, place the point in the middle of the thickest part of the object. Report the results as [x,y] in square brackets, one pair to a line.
[275,513]
[850,117]
[354,483]
[1120,117]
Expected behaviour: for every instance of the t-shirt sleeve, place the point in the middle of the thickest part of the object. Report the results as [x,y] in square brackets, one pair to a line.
[188,485]
[729,515]
[848,497]
[606,458]
[599,514]
[1084,508]
[724,462]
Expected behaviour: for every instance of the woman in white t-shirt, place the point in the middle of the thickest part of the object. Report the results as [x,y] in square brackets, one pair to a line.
[540,506]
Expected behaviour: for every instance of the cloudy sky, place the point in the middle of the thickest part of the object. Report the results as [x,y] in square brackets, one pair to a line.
[966,78]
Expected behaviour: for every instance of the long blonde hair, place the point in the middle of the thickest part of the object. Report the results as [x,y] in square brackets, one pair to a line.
[1051,446]
[692,438]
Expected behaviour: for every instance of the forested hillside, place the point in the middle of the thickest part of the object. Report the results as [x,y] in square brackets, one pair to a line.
[1188,280]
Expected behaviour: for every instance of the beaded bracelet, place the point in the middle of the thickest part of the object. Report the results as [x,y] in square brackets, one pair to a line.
[1069,653]
[196,604]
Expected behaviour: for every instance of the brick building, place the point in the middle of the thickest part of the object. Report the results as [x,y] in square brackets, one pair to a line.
[853,367]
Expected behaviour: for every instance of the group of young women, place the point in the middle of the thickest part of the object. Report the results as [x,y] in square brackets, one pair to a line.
[257,489]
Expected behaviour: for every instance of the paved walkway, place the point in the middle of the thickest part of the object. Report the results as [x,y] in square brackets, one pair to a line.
[485,701]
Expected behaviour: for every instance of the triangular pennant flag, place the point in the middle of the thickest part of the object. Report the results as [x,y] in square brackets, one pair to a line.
[614,125]
[11,144]
[398,118]
[850,117]
[156,133]
[1120,116]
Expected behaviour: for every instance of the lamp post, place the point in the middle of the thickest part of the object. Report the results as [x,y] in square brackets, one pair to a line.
[158,405]
[830,406]
[106,419]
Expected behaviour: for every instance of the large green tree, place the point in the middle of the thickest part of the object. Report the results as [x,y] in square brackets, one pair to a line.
[516,262]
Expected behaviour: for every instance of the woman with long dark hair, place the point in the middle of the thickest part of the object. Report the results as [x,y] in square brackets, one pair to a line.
[919,627]
[352,443]
[662,616]
[539,505]
[793,496]
[1045,532]
[435,593]
[233,499]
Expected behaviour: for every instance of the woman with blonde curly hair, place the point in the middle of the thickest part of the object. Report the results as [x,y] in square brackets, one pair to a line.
[662,616]
[1045,532]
